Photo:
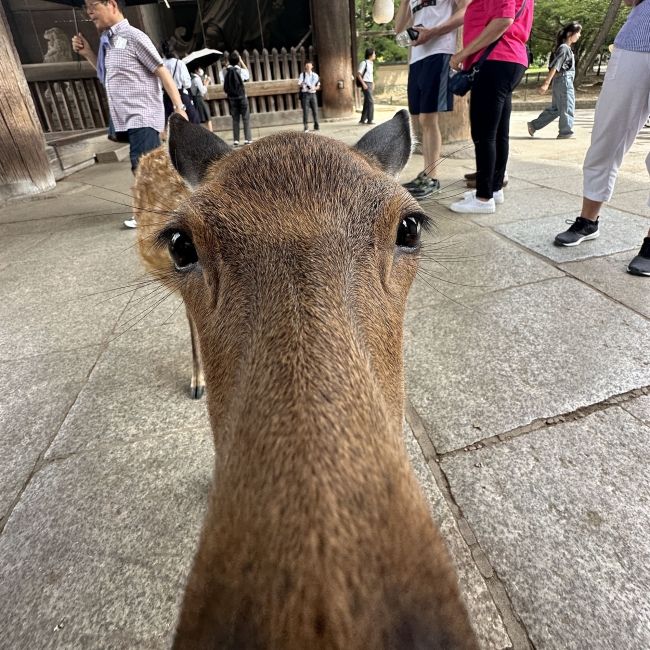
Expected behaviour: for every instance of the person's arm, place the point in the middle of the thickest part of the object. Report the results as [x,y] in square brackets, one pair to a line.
[170,88]
[81,46]
[547,82]
[454,22]
[493,30]
[404,17]
[317,86]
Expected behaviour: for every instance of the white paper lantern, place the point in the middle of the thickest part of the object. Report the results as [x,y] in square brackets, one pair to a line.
[383,11]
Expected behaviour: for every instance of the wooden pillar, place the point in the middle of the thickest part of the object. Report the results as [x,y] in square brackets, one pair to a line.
[24,167]
[331,27]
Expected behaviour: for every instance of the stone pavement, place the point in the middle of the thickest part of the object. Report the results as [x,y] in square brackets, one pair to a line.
[528,419]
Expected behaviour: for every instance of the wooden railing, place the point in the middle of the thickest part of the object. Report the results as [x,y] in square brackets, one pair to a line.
[69,97]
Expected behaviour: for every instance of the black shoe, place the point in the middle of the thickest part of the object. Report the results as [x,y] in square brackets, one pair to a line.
[581,230]
[640,265]
[316,127]
[566,136]
[428,187]
[416,182]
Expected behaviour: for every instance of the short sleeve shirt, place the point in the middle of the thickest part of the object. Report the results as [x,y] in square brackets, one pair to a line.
[563,59]
[134,91]
[512,46]
[635,33]
[179,72]
[308,82]
[429,13]
[366,70]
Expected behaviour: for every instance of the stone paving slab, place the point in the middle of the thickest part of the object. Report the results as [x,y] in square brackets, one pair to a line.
[128,413]
[639,408]
[472,264]
[619,231]
[35,396]
[502,360]
[16,248]
[482,611]
[608,274]
[635,201]
[115,536]
[564,517]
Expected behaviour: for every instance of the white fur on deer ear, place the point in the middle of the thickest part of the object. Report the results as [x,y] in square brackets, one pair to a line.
[192,149]
[389,143]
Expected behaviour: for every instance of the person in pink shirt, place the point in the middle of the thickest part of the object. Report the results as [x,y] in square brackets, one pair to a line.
[490,101]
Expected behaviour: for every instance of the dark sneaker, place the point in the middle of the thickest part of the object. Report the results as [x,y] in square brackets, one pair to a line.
[416,182]
[581,230]
[640,265]
[531,129]
[566,136]
[427,188]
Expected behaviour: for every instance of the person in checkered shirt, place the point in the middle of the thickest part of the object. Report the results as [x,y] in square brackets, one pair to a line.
[132,72]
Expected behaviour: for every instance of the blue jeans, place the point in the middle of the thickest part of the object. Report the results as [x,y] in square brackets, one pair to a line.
[142,141]
[563,104]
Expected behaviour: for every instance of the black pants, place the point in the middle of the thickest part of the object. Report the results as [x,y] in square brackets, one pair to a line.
[368,110]
[239,109]
[489,113]
[309,101]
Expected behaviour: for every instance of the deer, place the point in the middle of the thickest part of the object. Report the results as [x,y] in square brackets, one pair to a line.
[294,257]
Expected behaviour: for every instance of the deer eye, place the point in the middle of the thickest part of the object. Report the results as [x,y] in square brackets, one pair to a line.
[182,251]
[408,231]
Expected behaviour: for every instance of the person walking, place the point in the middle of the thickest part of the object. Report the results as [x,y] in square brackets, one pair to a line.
[562,70]
[233,78]
[365,76]
[436,23]
[199,90]
[309,85]
[508,22]
[132,72]
[622,110]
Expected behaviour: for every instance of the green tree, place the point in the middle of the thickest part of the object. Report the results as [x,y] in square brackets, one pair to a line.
[380,37]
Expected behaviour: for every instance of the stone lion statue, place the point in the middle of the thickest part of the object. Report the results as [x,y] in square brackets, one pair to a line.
[59,47]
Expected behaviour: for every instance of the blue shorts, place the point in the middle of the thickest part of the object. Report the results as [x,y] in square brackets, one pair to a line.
[142,141]
[428,87]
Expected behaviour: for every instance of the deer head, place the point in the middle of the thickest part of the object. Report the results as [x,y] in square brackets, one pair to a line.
[294,257]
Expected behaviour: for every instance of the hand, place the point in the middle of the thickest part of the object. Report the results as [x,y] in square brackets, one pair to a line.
[456,61]
[425,35]
[365,86]
[542,89]
[181,111]
[81,45]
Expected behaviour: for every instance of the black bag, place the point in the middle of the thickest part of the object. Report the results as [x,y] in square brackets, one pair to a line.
[460,83]
[233,85]
[356,79]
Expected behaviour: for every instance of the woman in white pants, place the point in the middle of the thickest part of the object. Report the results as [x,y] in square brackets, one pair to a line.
[621,112]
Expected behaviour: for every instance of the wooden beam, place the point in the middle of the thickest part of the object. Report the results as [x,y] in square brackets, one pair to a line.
[258,88]
[24,166]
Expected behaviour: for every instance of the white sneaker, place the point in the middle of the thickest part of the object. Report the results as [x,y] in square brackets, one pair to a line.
[498,197]
[235,143]
[131,223]
[471,205]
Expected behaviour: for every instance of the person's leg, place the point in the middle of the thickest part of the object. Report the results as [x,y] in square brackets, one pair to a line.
[364,110]
[371,103]
[314,110]
[141,141]
[514,72]
[566,104]
[305,108]
[234,114]
[640,265]
[431,142]
[246,117]
[549,114]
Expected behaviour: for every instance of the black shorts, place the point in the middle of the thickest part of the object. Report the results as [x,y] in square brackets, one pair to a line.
[428,87]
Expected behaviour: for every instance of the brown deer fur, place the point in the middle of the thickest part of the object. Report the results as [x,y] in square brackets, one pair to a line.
[317,535]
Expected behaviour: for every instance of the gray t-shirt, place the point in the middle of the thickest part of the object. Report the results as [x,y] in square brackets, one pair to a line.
[563,59]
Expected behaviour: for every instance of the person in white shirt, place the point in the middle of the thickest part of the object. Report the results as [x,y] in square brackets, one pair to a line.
[181,76]
[309,84]
[436,22]
[233,78]
[365,75]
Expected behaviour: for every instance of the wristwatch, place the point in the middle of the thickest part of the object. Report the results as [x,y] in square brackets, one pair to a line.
[179,108]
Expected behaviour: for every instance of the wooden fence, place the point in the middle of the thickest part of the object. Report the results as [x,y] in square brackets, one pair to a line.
[69,97]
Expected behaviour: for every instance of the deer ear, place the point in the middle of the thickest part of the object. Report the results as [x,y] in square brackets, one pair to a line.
[389,143]
[192,148]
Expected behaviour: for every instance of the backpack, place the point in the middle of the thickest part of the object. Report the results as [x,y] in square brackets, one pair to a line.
[233,85]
